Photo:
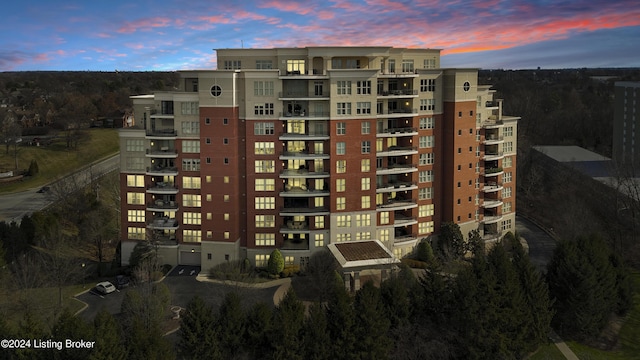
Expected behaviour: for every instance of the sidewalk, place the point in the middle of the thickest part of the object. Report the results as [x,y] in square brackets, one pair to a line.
[560,344]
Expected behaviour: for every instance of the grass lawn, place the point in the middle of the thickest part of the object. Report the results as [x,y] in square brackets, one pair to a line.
[547,352]
[55,160]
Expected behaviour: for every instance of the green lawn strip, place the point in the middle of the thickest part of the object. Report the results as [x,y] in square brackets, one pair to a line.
[55,160]
[547,352]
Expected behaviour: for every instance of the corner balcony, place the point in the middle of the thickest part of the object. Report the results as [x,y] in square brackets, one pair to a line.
[491,218]
[161,134]
[291,227]
[401,221]
[302,191]
[495,171]
[492,186]
[162,153]
[162,188]
[492,156]
[405,240]
[302,95]
[303,173]
[397,169]
[397,132]
[163,223]
[398,151]
[296,243]
[396,186]
[493,140]
[398,113]
[398,94]
[304,137]
[491,236]
[162,170]
[492,123]
[309,74]
[302,115]
[161,205]
[491,203]
[399,204]
[303,211]
[298,155]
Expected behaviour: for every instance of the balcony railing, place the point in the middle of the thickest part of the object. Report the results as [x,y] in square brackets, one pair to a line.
[163,132]
[405,238]
[164,205]
[494,170]
[398,204]
[402,130]
[397,169]
[312,210]
[163,223]
[304,173]
[304,114]
[301,94]
[492,186]
[301,154]
[402,111]
[398,92]
[162,169]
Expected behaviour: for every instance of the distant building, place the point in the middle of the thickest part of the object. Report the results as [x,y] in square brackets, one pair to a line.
[626,124]
[299,148]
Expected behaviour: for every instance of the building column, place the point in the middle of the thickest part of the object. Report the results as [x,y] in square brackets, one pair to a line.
[356,281]
[347,281]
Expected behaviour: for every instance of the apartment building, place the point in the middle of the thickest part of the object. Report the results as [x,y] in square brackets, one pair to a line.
[626,151]
[297,148]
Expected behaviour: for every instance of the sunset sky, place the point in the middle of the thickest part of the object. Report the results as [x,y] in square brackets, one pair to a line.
[172,35]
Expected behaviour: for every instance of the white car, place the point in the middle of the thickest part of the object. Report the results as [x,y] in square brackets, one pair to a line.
[105,287]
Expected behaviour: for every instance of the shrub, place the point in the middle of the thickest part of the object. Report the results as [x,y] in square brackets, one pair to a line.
[290,270]
[413,263]
[276,263]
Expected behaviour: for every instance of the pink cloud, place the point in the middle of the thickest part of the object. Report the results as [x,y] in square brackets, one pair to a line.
[144,25]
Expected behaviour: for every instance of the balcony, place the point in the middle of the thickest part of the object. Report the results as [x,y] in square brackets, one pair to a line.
[306,74]
[398,151]
[385,74]
[159,170]
[402,93]
[300,95]
[491,236]
[397,204]
[304,115]
[404,240]
[162,205]
[162,188]
[401,220]
[491,203]
[396,132]
[491,104]
[302,191]
[491,218]
[301,210]
[397,113]
[492,186]
[160,134]
[493,155]
[297,155]
[396,186]
[292,226]
[397,169]
[163,223]
[492,123]
[323,135]
[493,140]
[303,173]
[162,153]
[297,243]
[493,171]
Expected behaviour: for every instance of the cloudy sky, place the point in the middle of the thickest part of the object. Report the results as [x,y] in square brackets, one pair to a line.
[160,35]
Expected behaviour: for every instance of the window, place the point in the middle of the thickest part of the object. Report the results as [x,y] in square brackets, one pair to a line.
[190,146]
[225,121]
[363,220]
[343,237]
[363,87]
[232,64]
[427,104]
[263,109]
[365,201]
[344,87]
[341,148]
[508,131]
[265,221]
[135,180]
[319,222]
[341,128]
[135,145]
[343,221]
[426,141]
[265,166]
[426,123]
[425,210]
[384,217]
[264,148]
[365,235]
[425,193]
[425,227]
[340,185]
[407,66]
[135,198]
[263,88]
[191,200]
[296,66]
[264,64]
[426,159]
[427,85]
[191,218]
[341,203]
[343,108]
[226,216]
[506,192]
[507,147]
[191,182]
[261,128]
[225,179]
[365,147]
[262,260]
[135,233]
[507,177]
[191,236]
[363,107]
[265,203]
[365,127]
[383,235]
[135,215]
[425,176]
[507,162]
[506,207]
[429,63]
[365,184]
[191,164]
[319,240]
[341,166]
[226,160]
[506,225]
[318,201]
[265,184]
[134,163]
[190,127]
[365,165]
[189,108]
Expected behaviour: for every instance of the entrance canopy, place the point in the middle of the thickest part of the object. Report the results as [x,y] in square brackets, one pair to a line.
[356,256]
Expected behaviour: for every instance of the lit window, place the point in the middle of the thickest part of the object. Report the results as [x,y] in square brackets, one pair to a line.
[264,148]
[191,235]
[363,220]
[265,203]
[425,210]
[135,198]
[343,221]
[135,215]
[341,203]
[340,185]
[384,217]
[365,165]
[265,184]
[425,227]
[365,201]
[191,218]
[365,184]
[265,221]
[319,240]
[191,182]
[262,260]
[265,166]
[135,180]
[341,166]
[319,221]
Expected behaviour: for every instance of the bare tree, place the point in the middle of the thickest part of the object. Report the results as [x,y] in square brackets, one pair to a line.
[11,134]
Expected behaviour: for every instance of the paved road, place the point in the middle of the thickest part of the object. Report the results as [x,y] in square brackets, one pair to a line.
[541,245]
[14,206]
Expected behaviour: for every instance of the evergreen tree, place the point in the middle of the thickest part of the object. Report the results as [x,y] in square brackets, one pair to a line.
[109,345]
[230,326]
[257,330]
[451,244]
[395,297]
[424,252]
[288,321]
[371,324]
[341,320]
[197,336]
[71,327]
[316,334]
[275,265]
[30,327]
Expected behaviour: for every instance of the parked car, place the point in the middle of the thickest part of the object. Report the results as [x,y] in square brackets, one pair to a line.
[43,189]
[105,287]
[122,281]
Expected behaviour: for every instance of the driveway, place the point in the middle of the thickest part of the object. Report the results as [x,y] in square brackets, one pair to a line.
[541,245]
